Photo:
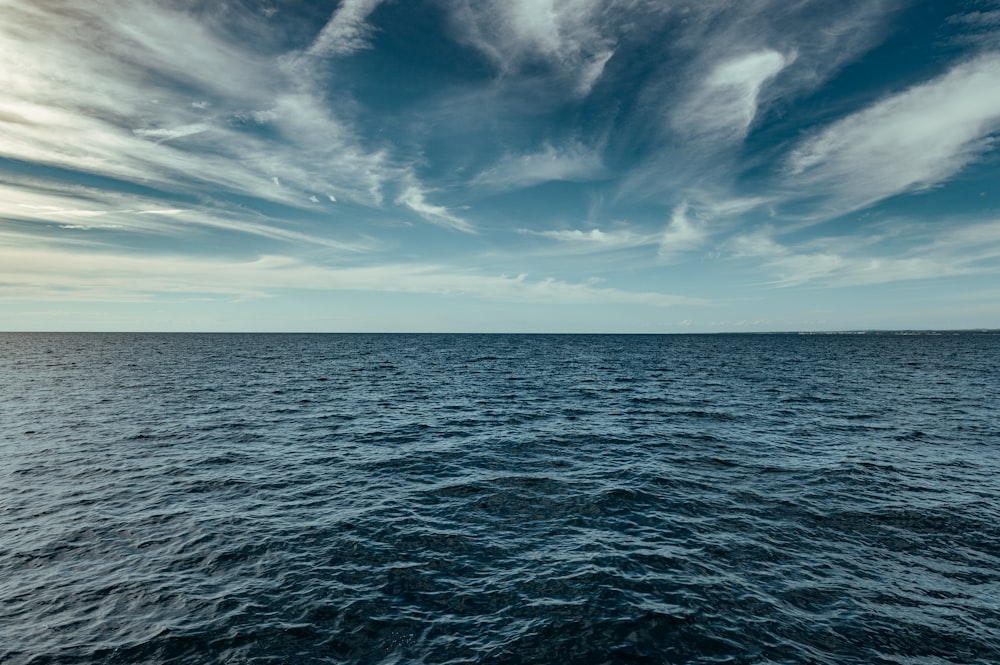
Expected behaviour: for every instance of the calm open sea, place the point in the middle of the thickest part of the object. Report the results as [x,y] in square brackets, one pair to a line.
[200,498]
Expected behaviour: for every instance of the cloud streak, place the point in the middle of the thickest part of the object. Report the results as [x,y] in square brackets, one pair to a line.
[87,209]
[594,240]
[47,274]
[724,106]
[908,141]
[567,151]
[904,255]
[564,34]
[413,197]
[682,234]
[74,76]
[347,30]
[573,162]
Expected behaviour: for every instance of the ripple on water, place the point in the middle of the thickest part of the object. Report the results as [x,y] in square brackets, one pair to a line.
[457,499]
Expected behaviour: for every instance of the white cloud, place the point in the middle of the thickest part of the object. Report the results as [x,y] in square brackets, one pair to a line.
[567,34]
[911,140]
[980,29]
[724,106]
[413,198]
[347,30]
[592,71]
[137,215]
[168,134]
[595,240]
[907,253]
[264,117]
[47,274]
[987,19]
[758,243]
[682,234]
[573,162]
[728,207]
[106,88]
[723,65]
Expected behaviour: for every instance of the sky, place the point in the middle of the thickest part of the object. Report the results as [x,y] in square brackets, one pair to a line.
[647,166]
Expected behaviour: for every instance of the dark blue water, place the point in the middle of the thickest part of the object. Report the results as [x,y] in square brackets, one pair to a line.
[499,499]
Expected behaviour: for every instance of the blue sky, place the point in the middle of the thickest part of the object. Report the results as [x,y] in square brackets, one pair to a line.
[499,165]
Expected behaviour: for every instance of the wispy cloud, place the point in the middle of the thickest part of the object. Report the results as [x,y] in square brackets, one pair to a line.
[168,134]
[682,234]
[573,162]
[911,140]
[980,28]
[91,209]
[685,232]
[594,240]
[413,197]
[724,68]
[155,147]
[724,106]
[347,30]
[46,274]
[565,34]
[149,94]
[910,252]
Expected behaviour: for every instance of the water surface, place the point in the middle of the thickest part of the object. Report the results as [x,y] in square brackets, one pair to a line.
[499,499]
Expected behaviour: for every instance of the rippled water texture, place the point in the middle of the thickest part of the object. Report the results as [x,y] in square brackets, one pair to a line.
[499,499]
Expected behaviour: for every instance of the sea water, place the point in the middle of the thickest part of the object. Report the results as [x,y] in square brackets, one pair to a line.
[200,498]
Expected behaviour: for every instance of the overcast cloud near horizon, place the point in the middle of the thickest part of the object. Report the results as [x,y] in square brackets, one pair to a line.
[499,165]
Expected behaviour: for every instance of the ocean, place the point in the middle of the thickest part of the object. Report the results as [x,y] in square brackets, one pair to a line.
[283,498]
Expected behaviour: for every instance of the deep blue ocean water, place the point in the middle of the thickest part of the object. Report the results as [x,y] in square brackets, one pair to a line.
[499,498]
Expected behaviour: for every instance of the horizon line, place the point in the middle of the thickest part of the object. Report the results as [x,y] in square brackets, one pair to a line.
[845,331]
